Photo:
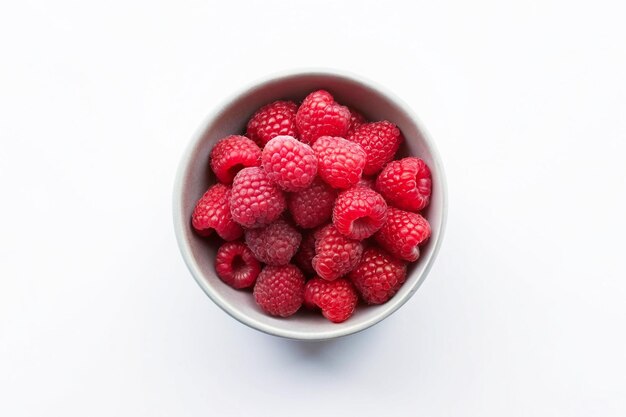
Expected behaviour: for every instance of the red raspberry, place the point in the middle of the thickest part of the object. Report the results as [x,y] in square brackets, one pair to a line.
[335,254]
[255,201]
[339,162]
[336,299]
[406,184]
[359,212]
[366,182]
[275,244]
[274,119]
[312,206]
[319,115]
[289,163]
[378,276]
[356,120]
[306,253]
[402,233]
[212,212]
[231,154]
[236,265]
[279,290]
[380,140]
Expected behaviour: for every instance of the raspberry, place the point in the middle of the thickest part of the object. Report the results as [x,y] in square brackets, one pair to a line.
[255,201]
[274,119]
[359,212]
[380,140]
[402,233]
[378,276]
[319,115]
[336,299]
[231,154]
[212,212]
[406,184]
[279,290]
[356,120]
[339,162]
[275,244]
[236,265]
[289,163]
[312,206]
[335,254]
[366,182]
[306,253]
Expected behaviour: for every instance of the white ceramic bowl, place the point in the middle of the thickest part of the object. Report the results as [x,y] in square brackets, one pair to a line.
[194,177]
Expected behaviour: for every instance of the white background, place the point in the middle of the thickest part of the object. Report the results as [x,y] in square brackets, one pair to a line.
[523,313]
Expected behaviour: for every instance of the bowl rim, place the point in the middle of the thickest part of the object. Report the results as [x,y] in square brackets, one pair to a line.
[179,222]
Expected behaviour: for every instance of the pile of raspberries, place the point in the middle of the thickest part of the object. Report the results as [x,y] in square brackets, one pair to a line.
[313,209]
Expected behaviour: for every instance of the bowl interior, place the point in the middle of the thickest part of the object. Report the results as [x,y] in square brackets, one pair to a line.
[195,177]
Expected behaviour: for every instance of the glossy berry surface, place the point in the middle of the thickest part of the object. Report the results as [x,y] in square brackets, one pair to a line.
[339,162]
[236,265]
[231,154]
[378,276]
[319,115]
[212,213]
[289,163]
[402,233]
[274,119]
[337,299]
[356,120]
[359,212]
[255,201]
[305,254]
[312,206]
[380,140]
[406,184]
[274,244]
[279,290]
[335,254]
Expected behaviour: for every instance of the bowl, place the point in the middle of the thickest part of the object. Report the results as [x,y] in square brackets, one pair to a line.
[194,177]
